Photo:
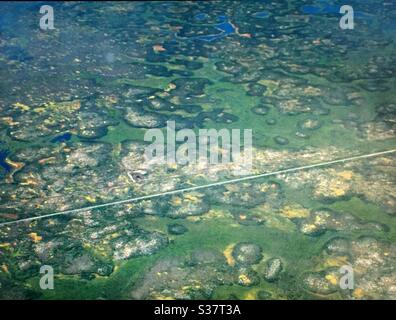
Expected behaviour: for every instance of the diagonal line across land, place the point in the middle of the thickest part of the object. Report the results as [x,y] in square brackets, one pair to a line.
[220,183]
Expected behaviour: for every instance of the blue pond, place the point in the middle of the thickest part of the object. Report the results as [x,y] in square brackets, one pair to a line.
[200,16]
[223,25]
[311,9]
[261,15]
[3,164]
[326,9]
[62,138]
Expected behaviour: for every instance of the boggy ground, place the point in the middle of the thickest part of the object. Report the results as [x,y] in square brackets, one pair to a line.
[75,104]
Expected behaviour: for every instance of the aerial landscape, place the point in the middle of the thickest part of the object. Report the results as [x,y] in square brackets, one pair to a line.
[78,195]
